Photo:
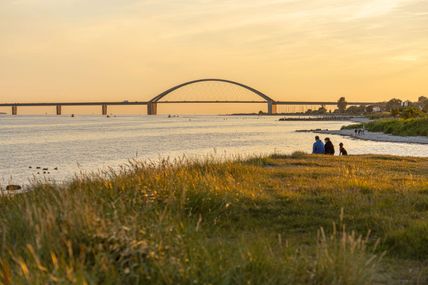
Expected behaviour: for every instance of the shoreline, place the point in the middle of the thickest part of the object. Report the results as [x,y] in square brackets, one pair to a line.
[373,136]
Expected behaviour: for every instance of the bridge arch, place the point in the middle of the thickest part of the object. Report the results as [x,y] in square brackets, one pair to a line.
[152,104]
[255,91]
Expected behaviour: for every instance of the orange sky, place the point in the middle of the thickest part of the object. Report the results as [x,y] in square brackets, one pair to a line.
[72,50]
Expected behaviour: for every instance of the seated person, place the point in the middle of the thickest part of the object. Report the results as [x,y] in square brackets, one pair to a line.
[329,147]
[342,150]
[318,147]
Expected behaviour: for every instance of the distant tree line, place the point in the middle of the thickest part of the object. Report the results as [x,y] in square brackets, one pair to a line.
[394,107]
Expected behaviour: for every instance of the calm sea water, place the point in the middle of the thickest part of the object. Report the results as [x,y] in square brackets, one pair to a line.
[89,143]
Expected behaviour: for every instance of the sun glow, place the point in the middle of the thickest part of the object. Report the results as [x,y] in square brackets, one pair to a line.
[134,49]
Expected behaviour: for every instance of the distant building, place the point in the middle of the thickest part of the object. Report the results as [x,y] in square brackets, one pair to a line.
[376,109]
[406,103]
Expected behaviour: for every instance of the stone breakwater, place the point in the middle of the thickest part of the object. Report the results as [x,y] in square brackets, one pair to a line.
[13,190]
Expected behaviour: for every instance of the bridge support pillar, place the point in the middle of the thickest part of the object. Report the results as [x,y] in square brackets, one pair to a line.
[152,108]
[14,110]
[104,110]
[58,110]
[272,108]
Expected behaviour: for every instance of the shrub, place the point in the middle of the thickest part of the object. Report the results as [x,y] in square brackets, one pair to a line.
[411,112]
[400,127]
[298,154]
[409,242]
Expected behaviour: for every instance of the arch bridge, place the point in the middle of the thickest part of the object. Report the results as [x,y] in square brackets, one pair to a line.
[152,105]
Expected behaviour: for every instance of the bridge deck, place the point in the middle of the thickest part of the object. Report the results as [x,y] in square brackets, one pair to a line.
[175,102]
[71,104]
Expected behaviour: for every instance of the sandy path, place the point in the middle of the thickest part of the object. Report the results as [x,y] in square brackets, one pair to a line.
[372,136]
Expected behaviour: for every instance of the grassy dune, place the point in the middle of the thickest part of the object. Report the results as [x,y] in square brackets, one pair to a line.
[398,127]
[272,220]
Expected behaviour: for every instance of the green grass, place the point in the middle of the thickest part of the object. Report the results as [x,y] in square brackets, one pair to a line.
[399,127]
[296,219]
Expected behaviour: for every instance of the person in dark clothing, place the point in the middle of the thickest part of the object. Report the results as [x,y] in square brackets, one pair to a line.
[328,147]
[342,150]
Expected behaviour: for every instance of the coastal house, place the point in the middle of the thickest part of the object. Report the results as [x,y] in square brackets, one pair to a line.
[376,109]
[406,103]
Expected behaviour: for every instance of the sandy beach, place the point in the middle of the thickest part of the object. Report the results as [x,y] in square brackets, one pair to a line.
[372,136]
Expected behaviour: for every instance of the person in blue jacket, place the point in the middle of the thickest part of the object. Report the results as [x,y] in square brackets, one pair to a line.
[318,147]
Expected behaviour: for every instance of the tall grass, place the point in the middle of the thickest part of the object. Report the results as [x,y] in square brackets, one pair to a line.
[266,220]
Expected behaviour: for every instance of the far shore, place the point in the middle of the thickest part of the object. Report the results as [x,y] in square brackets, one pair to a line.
[308,117]
[373,136]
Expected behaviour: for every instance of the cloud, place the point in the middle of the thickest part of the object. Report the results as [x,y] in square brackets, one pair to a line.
[302,37]
[376,8]
[406,57]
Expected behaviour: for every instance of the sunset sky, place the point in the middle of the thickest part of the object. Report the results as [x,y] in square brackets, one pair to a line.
[70,50]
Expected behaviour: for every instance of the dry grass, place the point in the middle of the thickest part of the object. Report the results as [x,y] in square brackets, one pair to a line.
[266,220]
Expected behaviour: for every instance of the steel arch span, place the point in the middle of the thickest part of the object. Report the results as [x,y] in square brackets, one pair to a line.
[169,91]
[152,104]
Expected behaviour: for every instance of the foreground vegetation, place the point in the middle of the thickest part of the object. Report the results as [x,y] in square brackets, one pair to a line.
[271,220]
[399,127]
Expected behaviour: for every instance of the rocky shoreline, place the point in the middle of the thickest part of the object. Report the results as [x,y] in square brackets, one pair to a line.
[11,192]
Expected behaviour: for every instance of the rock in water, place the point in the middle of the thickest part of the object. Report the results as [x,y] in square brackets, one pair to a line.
[13,187]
